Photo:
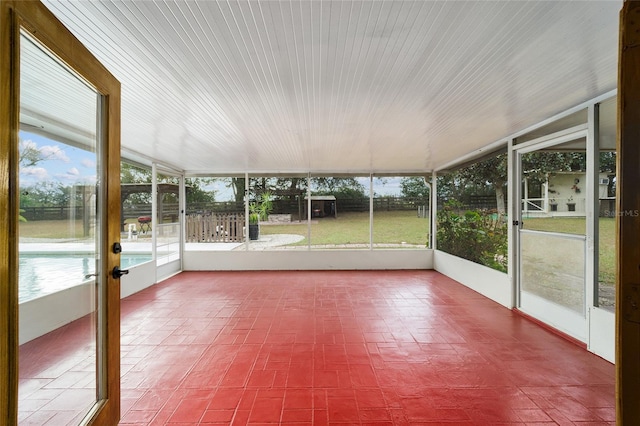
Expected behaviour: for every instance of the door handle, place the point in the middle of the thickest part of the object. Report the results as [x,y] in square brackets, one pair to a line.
[117,272]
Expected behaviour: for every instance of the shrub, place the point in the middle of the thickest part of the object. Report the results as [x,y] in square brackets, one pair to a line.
[476,235]
[261,207]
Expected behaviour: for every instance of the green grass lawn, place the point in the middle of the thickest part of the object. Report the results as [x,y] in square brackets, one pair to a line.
[577,225]
[389,227]
[59,229]
[55,229]
[393,227]
[566,225]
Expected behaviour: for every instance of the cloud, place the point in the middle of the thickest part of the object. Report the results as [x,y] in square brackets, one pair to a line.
[43,153]
[27,144]
[40,173]
[71,174]
[88,163]
[53,152]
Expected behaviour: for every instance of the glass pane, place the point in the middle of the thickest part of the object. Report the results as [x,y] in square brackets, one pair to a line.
[400,212]
[58,240]
[553,189]
[471,213]
[552,239]
[553,267]
[168,220]
[215,213]
[607,261]
[607,202]
[135,190]
[277,213]
[340,212]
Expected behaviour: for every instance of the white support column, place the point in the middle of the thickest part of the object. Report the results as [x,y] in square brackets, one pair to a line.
[513,215]
[246,211]
[434,211]
[309,211]
[592,208]
[182,205]
[154,209]
[370,211]
[546,193]
[525,207]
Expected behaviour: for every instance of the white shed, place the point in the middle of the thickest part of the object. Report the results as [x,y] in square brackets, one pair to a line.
[323,205]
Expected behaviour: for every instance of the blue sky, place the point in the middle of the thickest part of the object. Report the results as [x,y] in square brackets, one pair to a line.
[62,163]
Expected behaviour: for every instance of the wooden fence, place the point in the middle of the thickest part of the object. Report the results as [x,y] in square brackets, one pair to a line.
[52,213]
[215,228]
[297,208]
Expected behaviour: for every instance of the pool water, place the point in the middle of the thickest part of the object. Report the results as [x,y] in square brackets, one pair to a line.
[42,274]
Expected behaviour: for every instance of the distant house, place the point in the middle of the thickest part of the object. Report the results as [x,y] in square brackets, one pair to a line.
[564,195]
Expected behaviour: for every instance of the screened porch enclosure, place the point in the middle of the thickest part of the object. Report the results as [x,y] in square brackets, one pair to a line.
[174,221]
[470,145]
[555,264]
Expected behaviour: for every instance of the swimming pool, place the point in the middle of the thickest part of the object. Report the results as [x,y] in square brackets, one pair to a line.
[42,274]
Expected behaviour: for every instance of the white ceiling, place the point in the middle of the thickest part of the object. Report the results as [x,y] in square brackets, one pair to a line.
[341,86]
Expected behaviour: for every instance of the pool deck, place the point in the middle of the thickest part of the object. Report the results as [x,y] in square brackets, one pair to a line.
[48,246]
[140,246]
[42,247]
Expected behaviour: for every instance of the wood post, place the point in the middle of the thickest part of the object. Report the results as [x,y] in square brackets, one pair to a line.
[628,219]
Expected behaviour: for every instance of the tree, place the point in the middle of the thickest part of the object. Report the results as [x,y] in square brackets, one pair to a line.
[414,187]
[491,172]
[608,162]
[130,174]
[341,187]
[29,154]
[290,187]
[196,193]
[536,166]
[238,186]
[134,174]
[48,194]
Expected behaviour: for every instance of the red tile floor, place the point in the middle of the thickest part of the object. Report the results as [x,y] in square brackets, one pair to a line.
[350,348]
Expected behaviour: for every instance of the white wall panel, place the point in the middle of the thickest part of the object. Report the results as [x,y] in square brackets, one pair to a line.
[307,260]
[602,333]
[490,283]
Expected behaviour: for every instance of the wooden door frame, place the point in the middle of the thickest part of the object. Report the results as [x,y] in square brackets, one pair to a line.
[36,19]
[627,219]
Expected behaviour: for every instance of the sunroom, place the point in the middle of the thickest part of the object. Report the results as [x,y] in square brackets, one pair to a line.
[476,139]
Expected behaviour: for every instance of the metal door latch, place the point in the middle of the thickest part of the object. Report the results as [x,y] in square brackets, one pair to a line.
[117,272]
